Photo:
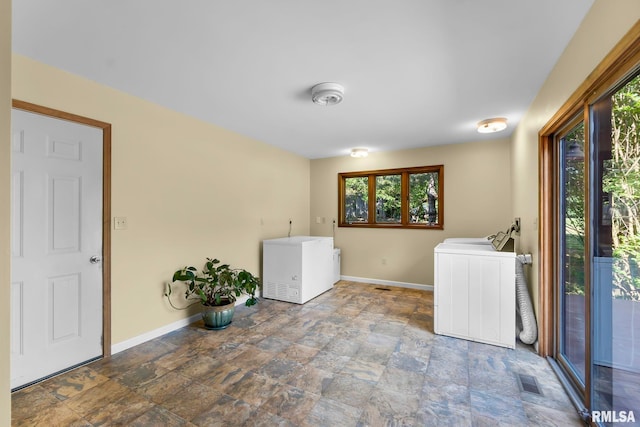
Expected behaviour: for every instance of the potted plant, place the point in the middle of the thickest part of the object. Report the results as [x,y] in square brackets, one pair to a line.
[216,287]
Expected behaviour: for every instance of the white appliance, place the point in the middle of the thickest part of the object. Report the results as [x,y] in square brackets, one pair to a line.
[474,293]
[336,265]
[297,268]
[468,240]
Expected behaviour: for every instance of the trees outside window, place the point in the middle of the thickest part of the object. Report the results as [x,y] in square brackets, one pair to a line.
[619,208]
[356,199]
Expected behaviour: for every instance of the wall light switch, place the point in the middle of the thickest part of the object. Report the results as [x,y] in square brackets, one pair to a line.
[120,223]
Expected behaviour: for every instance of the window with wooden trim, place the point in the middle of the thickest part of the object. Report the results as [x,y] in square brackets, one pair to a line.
[392,198]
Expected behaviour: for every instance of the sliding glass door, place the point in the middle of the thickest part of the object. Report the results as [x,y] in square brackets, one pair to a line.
[615,250]
[597,229]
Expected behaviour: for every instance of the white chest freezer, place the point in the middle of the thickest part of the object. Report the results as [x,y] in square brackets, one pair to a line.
[475,293]
[298,268]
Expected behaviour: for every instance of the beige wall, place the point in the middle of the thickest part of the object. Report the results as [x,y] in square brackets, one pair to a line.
[188,189]
[605,24]
[5,197]
[477,202]
[237,209]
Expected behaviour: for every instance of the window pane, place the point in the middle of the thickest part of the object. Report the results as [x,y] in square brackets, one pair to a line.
[356,199]
[616,259]
[423,198]
[388,201]
[572,289]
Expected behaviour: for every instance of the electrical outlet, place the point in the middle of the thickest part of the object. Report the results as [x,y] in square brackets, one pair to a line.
[120,223]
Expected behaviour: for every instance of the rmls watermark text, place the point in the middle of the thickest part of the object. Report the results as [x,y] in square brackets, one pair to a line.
[613,417]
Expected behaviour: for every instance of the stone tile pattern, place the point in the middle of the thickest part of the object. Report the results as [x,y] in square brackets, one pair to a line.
[354,356]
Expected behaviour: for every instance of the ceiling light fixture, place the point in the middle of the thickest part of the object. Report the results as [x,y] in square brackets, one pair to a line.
[327,93]
[574,151]
[359,152]
[492,125]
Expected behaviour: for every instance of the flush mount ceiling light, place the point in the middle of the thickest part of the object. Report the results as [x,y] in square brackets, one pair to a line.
[574,151]
[327,93]
[492,125]
[359,152]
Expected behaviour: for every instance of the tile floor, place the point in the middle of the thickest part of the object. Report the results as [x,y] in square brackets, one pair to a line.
[355,356]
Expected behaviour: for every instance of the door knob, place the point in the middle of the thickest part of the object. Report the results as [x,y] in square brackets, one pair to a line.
[94,259]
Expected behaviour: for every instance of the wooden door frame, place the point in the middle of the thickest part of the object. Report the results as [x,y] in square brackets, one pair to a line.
[106,205]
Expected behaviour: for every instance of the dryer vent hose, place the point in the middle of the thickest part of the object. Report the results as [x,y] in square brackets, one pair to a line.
[527,327]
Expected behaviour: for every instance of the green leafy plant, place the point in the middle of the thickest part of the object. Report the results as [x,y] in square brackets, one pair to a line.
[217,284]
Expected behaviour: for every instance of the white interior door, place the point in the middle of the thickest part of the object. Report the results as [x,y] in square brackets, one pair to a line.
[56,243]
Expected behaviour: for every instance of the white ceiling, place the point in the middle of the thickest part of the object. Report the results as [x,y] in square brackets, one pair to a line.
[416,72]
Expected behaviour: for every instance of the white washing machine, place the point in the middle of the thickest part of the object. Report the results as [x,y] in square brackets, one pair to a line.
[468,240]
[474,293]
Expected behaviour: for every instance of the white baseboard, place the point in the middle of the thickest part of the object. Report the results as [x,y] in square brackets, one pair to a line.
[388,283]
[132,342]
